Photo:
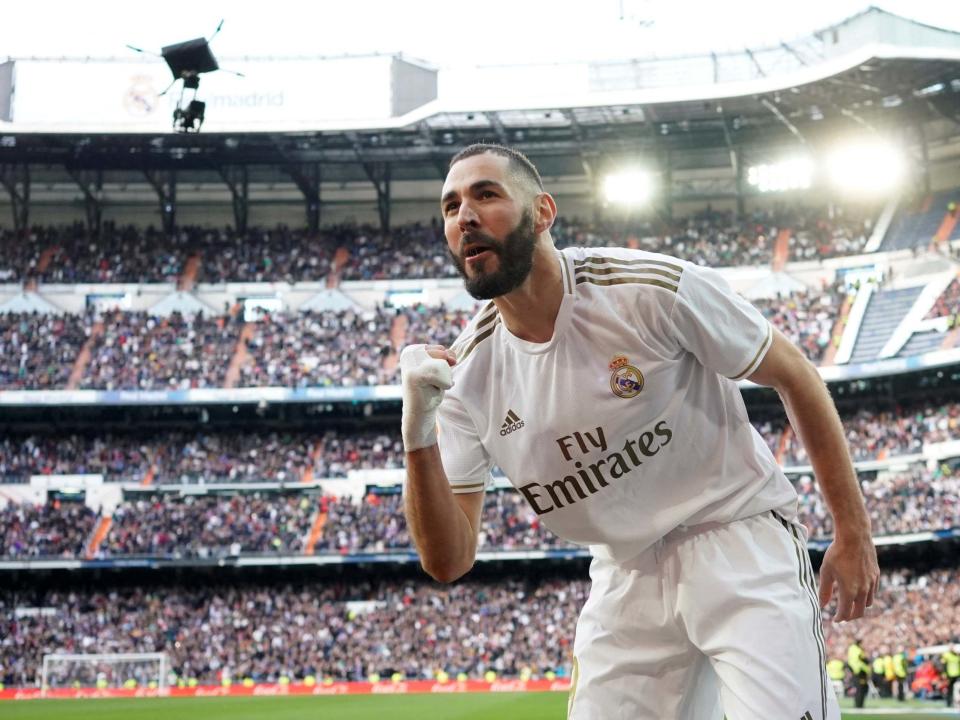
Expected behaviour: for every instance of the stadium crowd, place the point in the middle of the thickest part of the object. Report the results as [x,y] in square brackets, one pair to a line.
[806,318]
[210,525]
[911,610]
[56,529]
[216,456]
[144,254]
[875,435]
[319,349]
[168,524]
[279,254]
[948,304]
[181,457]
[914,500]
[37,352]
[373,629]
[139,351]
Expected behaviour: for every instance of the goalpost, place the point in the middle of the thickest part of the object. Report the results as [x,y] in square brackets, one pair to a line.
[105,670]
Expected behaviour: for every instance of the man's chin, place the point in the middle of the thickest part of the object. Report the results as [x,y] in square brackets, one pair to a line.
[487,266]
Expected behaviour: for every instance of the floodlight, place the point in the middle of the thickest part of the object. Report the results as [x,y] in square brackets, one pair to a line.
[628,187]
[866,167]
[791,174]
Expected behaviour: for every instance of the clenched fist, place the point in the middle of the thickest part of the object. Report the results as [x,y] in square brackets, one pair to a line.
[425,374]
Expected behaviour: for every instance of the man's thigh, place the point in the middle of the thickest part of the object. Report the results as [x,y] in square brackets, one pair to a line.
[748,596]
[632,659]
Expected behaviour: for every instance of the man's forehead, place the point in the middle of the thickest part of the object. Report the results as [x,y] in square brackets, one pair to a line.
[485,166]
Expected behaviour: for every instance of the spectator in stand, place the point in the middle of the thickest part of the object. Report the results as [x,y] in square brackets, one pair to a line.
[132,254]
[211,525]
[878,435]
[191,457]
[329,629]
[137,351]
[948,304]
[37,352]
[343,348]
[205,457]
[806,318]
[116,457]
[268,255]
[57,529]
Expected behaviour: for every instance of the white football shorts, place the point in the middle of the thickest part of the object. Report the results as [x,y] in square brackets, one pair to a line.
[718,618]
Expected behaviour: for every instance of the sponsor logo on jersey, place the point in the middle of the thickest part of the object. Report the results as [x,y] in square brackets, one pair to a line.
[511,424]
[626,381]
[591,474]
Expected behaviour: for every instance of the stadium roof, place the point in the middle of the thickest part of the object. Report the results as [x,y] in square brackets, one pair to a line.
[873,71]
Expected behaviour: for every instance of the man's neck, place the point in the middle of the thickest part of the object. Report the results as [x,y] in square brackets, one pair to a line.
[530,311]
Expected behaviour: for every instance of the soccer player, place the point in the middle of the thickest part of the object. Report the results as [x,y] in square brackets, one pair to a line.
[603,383]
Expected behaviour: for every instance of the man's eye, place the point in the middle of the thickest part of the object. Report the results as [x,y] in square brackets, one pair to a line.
[449,207]
[488,194]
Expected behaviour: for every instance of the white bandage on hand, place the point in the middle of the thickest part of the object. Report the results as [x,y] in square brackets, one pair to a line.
[424,380]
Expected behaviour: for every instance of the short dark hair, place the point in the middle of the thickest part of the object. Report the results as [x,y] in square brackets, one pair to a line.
[519,163]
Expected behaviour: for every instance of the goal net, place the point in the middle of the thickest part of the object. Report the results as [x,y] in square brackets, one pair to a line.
[105,670]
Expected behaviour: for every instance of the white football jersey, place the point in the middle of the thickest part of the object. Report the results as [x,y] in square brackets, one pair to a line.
[628,423]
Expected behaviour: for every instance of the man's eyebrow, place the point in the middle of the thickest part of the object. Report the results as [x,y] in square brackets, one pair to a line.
[478,185]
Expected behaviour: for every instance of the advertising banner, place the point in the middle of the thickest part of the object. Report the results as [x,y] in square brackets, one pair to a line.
[123,96]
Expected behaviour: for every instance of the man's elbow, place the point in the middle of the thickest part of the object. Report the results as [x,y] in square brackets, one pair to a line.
[446,572]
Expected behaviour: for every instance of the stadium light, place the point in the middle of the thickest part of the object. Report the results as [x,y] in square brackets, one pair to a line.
[866,167]
[791,174]
[628,187]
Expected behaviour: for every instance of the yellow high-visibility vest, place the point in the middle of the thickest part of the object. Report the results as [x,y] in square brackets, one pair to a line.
[952,661]
[856,659]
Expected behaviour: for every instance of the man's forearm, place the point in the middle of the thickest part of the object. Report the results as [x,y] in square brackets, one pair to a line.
[440,529]
[814,418]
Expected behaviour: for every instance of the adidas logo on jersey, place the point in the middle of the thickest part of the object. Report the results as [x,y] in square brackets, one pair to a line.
[511,424]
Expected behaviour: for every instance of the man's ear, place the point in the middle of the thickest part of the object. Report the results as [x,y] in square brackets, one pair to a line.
[544,212]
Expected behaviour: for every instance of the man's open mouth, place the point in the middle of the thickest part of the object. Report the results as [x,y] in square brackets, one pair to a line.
[475,252]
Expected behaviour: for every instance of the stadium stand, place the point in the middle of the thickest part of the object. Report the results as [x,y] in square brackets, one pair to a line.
[57,529]
[351,631]
[915,226]
[282,521]
[144,352]
[210,526]
[182,457]
[68,254]
[884,312]
[37,351]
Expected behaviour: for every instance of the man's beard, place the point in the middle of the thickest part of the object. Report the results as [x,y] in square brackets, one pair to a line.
[515,254]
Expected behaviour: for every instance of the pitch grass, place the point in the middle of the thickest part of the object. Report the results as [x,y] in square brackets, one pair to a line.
[496,706]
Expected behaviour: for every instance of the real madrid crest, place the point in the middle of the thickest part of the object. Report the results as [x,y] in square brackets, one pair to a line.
[626,380]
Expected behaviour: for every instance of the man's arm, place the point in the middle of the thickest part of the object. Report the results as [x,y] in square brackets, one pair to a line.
[444,525]
[851,559]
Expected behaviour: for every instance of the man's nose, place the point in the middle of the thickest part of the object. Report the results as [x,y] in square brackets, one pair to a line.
[466,216]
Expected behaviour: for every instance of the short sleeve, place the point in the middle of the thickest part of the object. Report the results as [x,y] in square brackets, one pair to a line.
[464,458]
[725,332]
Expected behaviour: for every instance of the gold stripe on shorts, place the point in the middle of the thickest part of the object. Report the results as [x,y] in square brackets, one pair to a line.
[805,576]
[574,678]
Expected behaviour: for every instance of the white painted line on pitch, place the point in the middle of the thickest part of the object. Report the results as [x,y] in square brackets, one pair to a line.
[901,711]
